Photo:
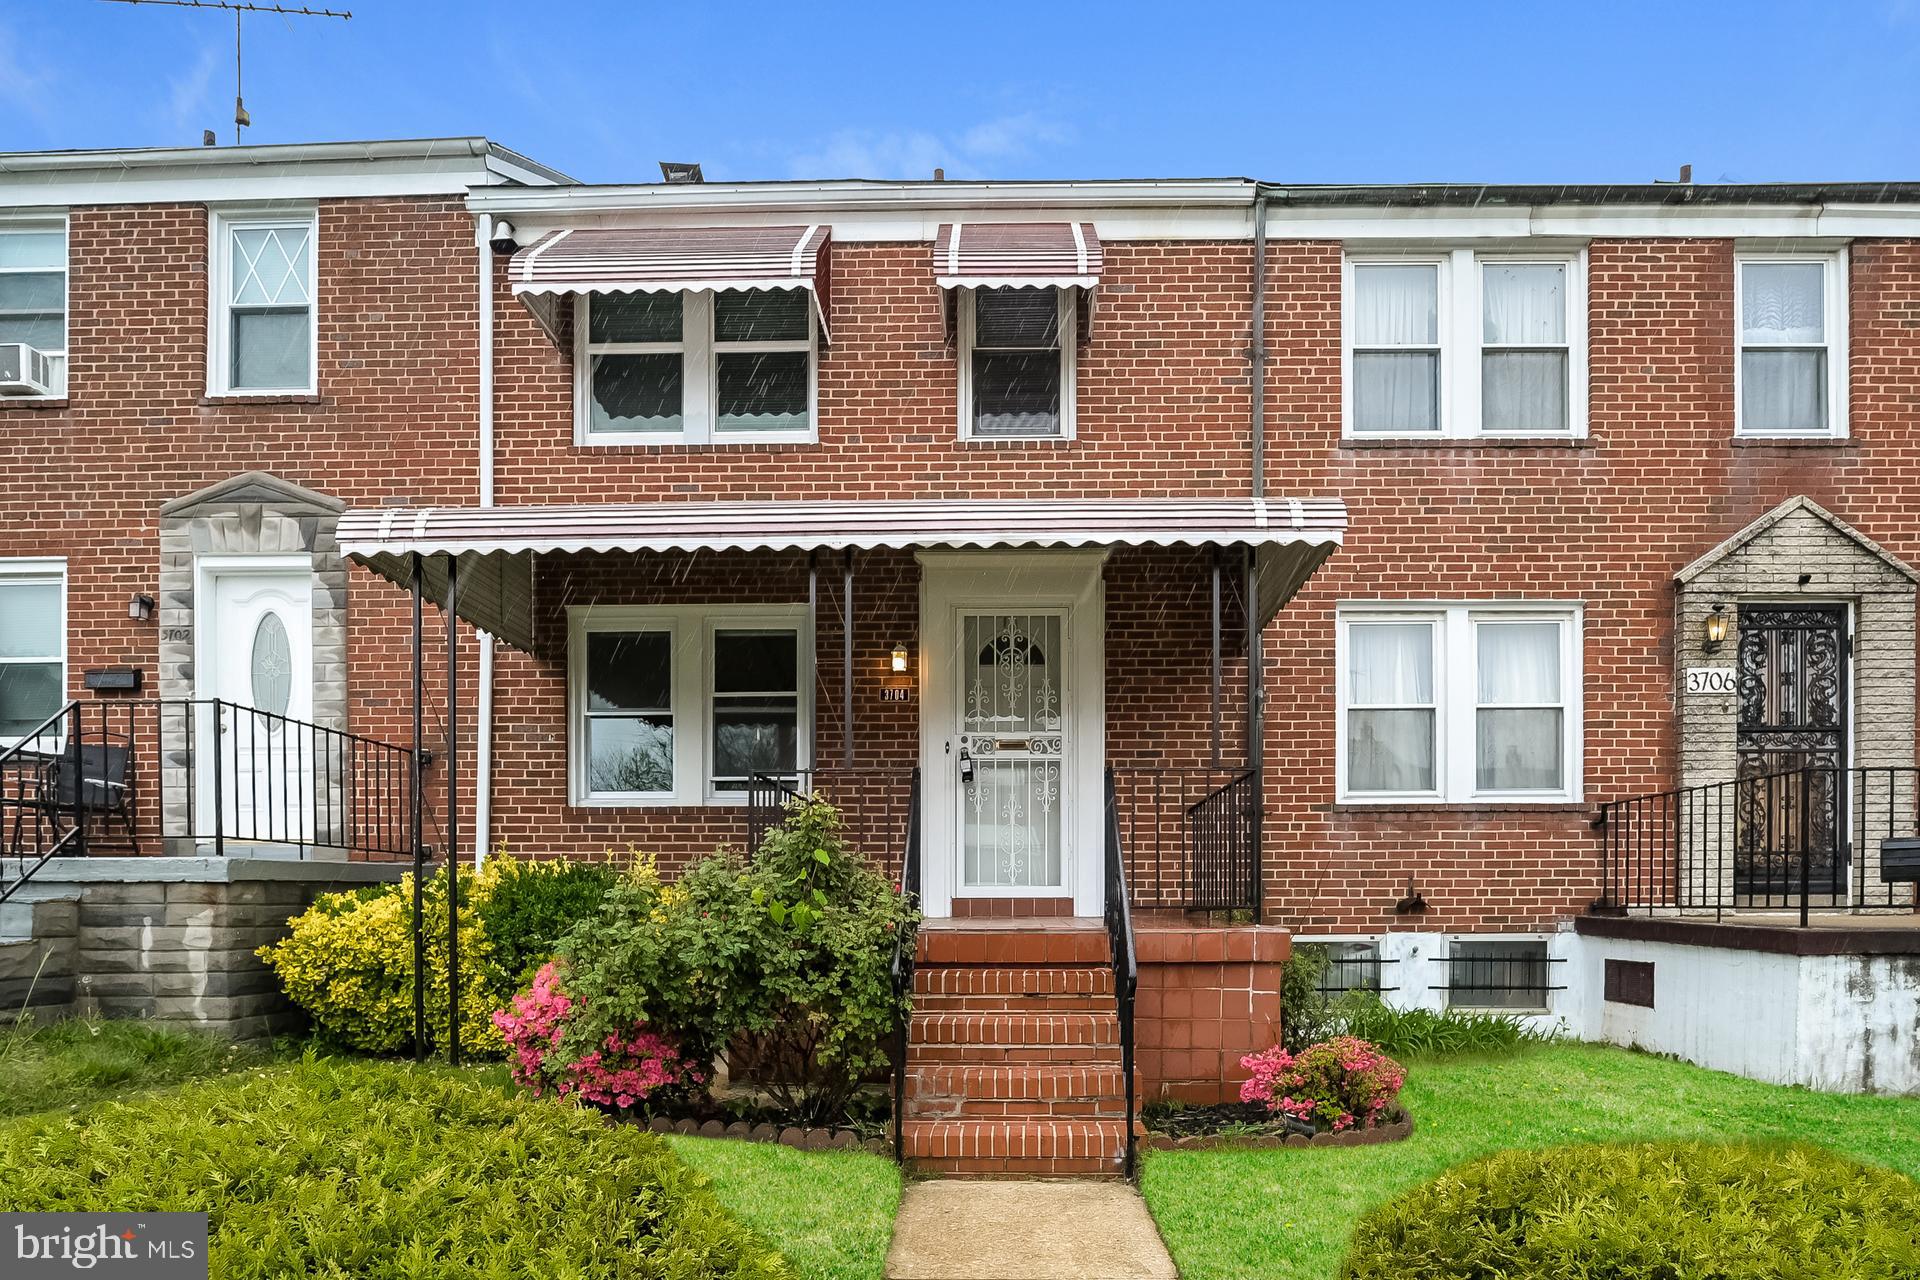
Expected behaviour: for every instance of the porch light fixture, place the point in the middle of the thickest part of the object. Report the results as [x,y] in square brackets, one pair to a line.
[900,659]
[140,608]
[1716,628]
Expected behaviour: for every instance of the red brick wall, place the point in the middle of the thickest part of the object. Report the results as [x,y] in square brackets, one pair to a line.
[1206,999]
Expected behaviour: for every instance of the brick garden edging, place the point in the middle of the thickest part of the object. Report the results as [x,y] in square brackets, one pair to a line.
[1392,1132]
[789,1136]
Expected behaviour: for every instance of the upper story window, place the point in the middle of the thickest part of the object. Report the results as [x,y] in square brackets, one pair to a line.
[684,705]
[694,367]
[1016,363]
[1791,377]
[33,308]
[1462,344]
[33,644]
[264,338]
[1459,703]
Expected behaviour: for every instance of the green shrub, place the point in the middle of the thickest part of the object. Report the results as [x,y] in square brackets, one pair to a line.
[385,1170]
[348,959]
[788,953]
[1426,1033]
[1649,1211]
[527,905]
[1305,1015]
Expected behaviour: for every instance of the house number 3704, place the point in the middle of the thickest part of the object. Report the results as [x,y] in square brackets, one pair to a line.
[1710,680]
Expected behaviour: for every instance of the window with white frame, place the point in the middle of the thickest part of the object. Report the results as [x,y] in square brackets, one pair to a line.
[1792,368]
[1459,703]
[684,705]
[696,367]
[265,336]
[33,302]
[1459,343]
[33,645]
[1514,975]
[1016,363]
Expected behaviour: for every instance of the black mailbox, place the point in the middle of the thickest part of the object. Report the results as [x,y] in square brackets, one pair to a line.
[1900,860]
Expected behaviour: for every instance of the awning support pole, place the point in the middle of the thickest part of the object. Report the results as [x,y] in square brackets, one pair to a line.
[1214,556]
[1256,736]
[419,846]
[846,659]
[813,638]
[453,810]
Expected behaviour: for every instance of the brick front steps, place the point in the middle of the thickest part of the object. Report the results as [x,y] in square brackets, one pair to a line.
[1013,1058]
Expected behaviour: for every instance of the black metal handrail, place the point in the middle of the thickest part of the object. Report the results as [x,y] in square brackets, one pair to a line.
[1805,837]
[1126,959]
[905,946]
[198,773]
[1192,835]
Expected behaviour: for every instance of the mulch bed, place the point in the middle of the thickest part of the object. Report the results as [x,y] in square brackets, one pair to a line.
[803,1139]
[1240,1124]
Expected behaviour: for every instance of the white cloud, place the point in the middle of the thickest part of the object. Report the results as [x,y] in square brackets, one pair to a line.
[916,153]
[29,91]
[187,92]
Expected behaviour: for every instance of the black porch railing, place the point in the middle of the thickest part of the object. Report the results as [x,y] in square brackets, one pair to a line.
[1803,839]
[874,805]
[1192,836]
[196,776]
[1126,960]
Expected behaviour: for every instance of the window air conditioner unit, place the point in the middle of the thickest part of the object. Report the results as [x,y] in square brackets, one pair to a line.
[24,370]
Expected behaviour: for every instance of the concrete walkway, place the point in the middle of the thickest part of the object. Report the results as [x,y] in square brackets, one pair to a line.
[962,1230]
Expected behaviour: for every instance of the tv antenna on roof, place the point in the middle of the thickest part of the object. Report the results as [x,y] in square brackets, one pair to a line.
[240,117]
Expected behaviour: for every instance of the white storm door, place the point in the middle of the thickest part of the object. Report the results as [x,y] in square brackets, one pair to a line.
[1014,749]
[256,656]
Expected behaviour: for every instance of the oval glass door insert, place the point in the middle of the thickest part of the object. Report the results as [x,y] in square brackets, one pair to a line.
[272,665]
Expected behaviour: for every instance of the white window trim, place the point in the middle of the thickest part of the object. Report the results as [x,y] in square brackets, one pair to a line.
[1462,336]
[60,224]
[222,223]
[699,378]
[1835,294]
[691,692]
[40,569]
[1456,696]
[1069,326]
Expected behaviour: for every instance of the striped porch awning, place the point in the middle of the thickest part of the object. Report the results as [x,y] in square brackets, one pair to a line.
[546,273]
[1019,255]
[496,546]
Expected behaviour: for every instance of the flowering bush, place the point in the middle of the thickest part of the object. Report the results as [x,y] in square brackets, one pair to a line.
[1334,1085]
[628,1066]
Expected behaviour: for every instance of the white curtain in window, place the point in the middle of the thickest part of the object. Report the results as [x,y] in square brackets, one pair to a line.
[1782,303]
[1518,741]
[1783,390]
[1396,305]
[1390,744]
[1524,304]
[1389,663]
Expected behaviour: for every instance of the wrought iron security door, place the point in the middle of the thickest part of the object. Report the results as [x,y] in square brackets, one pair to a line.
[1012,750]
[1791,744]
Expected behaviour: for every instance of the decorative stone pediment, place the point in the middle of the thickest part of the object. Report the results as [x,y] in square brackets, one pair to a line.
[255,488]
[1798,525]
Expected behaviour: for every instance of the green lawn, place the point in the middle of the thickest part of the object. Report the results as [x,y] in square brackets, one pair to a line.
[1287,1214]
[73,1062]
[829,1212]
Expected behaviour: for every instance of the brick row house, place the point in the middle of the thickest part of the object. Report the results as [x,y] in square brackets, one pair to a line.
[1566,528]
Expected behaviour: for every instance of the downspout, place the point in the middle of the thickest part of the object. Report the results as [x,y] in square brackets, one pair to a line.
[483,721]
[1257,359]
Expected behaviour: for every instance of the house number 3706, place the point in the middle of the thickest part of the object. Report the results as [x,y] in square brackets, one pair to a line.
[1710,680]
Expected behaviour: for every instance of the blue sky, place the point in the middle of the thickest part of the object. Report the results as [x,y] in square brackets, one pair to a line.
[1290,92]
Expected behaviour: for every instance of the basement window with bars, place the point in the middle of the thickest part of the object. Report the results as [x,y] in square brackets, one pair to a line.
[1353,966]
[682,705]
[1016,363]
[1509,975]
[33,308]
[695,367]
[33,645]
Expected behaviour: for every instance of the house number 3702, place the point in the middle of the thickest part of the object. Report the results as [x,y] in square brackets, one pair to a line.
[176,633]
[1710,680]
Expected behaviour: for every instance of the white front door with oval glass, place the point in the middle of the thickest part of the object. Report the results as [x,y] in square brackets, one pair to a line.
[255,660]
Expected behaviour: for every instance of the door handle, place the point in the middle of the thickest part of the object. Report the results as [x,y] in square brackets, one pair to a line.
[966,766]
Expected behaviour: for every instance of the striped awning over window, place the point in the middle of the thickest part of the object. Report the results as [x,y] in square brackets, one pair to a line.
[671,259]
[496,546]
[990,255]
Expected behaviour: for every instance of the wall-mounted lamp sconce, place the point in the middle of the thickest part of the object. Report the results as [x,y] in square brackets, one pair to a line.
[1716,628]
[900,659]
[140,608]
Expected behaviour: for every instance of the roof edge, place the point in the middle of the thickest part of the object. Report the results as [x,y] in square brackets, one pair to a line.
[489,155]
